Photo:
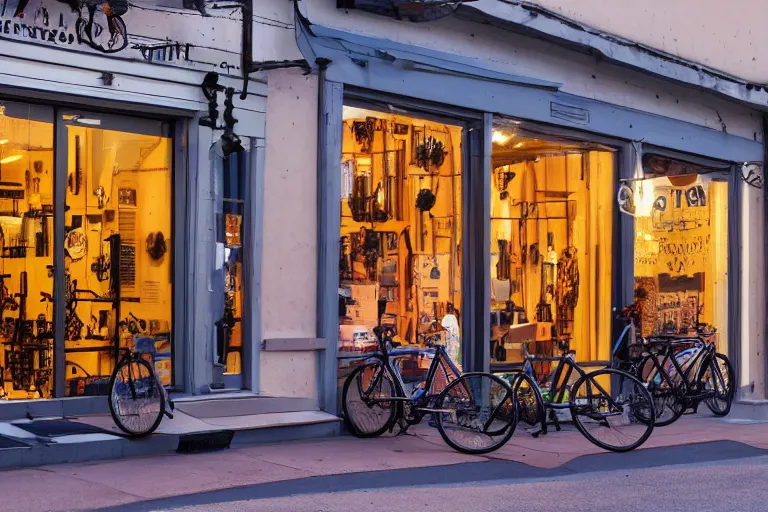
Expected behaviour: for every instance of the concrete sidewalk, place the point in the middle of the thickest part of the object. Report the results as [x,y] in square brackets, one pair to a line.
[101,484]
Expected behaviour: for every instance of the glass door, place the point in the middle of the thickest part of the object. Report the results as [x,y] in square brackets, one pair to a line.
[114,240]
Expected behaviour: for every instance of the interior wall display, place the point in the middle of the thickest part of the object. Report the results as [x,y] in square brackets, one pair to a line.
[681,255]
[551,245]
[26,225]
[400,230]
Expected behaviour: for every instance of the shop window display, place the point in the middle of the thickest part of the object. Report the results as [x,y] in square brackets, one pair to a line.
[400,240]
[681,256]
[551,246]
[117,252]
[26,250]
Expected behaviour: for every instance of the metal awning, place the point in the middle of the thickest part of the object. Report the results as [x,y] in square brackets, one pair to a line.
[531,19]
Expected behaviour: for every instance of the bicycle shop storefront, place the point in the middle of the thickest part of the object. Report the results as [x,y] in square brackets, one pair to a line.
[86,223]
[526,228]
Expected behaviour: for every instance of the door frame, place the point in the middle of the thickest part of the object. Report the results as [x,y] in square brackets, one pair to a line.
[64,118]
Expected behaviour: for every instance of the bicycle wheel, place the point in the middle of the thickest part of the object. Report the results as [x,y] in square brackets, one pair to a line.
[612,409]
[366,401]
[477,413]
[718,378]
[668,400]
[530,403]
[135,398]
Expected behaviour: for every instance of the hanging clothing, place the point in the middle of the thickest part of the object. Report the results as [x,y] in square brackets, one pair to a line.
[567,289]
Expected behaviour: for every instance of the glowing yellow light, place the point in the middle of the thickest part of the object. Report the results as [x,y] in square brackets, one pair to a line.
[3,141]
[519,145]
[499,137]
[644,197]
[9,159]
[639,234]
[648,237]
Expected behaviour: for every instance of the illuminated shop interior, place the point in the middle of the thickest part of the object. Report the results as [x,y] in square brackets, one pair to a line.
[400,240]
[117,249]
[681,249]
[552,207]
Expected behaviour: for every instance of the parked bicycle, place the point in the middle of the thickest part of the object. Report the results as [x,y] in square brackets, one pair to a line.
[137,398]
[475,412]
[611,408]
[680,371]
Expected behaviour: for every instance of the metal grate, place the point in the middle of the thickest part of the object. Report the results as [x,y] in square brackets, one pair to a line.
[127,265]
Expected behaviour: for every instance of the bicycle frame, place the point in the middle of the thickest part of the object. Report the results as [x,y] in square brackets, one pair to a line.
[705,352]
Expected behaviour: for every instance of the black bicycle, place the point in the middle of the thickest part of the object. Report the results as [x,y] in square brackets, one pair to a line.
[680,372]
[611,408]
[475,412]
[683,372]
[137,398]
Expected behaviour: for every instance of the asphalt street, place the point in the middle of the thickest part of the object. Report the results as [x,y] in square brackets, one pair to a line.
[721,477]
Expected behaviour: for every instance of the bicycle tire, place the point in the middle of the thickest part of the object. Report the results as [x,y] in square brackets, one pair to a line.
[464,392]
[638,405]
[727,397]
[356,427]
[669,404]
[120,419]
[530,402]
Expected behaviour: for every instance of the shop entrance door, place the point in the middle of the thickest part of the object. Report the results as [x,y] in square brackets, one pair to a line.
[113,247]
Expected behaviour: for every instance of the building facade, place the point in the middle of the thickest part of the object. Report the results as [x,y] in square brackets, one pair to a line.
[133,155]
[578,172]
[486,172]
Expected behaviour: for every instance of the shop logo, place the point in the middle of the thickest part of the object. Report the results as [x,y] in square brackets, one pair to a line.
[98,26]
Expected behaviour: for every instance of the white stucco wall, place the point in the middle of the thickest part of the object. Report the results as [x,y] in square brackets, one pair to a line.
[753,296]
[727,36]
[289,261]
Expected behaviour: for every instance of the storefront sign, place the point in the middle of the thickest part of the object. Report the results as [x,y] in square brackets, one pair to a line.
[86,26]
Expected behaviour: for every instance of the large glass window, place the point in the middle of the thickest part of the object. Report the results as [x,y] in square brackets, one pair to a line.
[116,240]
[400,239]
[26,250]
[551,245]
[117,257]
[681,249]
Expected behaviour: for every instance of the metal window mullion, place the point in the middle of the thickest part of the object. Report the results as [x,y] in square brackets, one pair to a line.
[331,102]
[61,148]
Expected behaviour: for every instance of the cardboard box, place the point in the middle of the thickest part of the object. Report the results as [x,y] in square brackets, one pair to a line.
[523,333]
[364,292]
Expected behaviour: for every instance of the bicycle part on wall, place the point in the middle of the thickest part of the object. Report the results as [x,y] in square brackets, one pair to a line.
[29,357]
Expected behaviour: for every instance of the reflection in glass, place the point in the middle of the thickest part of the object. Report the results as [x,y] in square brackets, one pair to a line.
[117,253]
[26,251]
[230,335]
[400,239]
[551,246]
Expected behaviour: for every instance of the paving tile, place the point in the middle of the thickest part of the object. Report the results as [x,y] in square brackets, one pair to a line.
[350,455]
[35,490]
[171,475]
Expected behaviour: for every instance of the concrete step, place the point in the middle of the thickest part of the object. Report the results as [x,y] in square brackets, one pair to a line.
[184,434]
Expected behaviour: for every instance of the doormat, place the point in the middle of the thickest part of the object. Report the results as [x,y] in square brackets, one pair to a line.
[58,428]
[205,441]
[7,442]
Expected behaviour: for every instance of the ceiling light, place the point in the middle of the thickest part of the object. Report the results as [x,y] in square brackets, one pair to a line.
[499,137]
[3,141]
[519,145]
[12,158]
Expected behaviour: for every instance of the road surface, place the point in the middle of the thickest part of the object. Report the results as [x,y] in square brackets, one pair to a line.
[725,485]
